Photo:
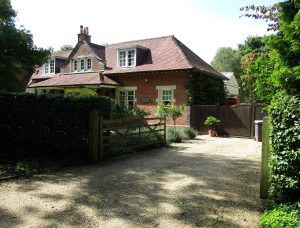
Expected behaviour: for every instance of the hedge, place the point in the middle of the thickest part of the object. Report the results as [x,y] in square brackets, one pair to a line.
[284,116]
[47,126]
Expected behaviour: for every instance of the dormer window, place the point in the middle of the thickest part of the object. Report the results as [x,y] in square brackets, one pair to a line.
[127,58]
[49,67]
[82,64]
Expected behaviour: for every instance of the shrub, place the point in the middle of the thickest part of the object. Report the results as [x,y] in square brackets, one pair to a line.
[189,133]
[282,216]
[285,149]
[121,111]
[47,126]
[174,135]
[169,110]
[211,122]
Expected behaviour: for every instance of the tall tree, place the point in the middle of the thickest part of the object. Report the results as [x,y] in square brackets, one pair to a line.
[278,69]
[227,59]
[17,51]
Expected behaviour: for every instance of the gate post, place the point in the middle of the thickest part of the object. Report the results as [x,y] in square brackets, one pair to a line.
[100,137]
[265,156]
[94,137]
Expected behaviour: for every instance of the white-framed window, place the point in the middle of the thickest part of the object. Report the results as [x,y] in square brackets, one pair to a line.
[49,67]
[165,94]
[88,63]
[82,64]
[127,58]
[127,96]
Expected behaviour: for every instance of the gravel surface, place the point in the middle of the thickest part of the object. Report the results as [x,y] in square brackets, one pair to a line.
[206,182]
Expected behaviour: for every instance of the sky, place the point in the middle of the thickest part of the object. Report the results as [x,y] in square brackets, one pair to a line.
[202,25]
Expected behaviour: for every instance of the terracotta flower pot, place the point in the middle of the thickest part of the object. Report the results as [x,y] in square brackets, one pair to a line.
[212,133]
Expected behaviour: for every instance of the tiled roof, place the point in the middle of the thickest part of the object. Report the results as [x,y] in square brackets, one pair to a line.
[99,50]
[166,53]
[85,78]
[196,62]
[61,54]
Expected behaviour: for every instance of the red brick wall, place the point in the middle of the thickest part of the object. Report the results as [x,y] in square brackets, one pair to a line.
[146,87]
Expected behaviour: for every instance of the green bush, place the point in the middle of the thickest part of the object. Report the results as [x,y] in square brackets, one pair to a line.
[282,216]
[121,111]
[189,133]
[211,121]
[47,126]
[285,152]
[174,135]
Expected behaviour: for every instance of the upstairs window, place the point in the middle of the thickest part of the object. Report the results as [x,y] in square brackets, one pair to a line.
[49,67]
[127,58]
[81,64]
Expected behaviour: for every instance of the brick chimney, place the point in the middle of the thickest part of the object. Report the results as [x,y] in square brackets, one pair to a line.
[84,34]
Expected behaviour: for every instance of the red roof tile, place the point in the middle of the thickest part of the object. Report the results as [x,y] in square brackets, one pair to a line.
[166,53]
[86,78]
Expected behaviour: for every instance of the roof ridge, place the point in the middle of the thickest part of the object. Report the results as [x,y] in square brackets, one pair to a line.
[154,38]
[181,51]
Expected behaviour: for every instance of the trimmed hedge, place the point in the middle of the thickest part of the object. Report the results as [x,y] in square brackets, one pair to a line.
[285,156]
[47,126]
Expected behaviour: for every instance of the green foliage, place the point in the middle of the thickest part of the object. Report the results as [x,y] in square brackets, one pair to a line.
[18,54]
[121,111]
[205,90]
[278,67]
[66,47]
[211,121]
[284,116]
[282,216]
[169,110]
[174,135]
[227,59]
[189,133]
[46,125]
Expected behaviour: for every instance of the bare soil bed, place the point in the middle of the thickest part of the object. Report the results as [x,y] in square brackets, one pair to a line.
[206,182]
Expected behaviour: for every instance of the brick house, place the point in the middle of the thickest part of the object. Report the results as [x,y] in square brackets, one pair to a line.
[144,73]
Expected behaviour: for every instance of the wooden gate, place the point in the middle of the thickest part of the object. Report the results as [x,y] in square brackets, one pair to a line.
[237,120]
[115,136]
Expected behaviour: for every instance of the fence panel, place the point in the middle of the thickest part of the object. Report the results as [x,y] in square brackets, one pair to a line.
[237,120]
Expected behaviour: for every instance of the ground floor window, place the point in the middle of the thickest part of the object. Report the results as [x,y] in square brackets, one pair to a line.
[165,94]
[127,97]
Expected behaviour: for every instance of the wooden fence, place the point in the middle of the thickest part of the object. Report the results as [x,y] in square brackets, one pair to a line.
[237,120]
[115,136]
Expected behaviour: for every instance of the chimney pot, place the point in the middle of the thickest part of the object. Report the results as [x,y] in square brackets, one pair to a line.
[81,29]
[87,30]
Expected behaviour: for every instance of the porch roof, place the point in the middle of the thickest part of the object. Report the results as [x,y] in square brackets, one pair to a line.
[91,78]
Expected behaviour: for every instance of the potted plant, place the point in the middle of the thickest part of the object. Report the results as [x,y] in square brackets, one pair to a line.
[211,122]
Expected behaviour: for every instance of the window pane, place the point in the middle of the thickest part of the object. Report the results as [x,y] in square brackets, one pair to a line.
[131,57]
[88,64]
[122,58]
[52,69]
[122,97]
[167,96]
[46,68]
[82,64]
[75,65]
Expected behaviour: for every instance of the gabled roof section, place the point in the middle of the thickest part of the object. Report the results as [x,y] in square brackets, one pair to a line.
[96,49]
[195,61]
[75,80]
[165,53]
[99,50]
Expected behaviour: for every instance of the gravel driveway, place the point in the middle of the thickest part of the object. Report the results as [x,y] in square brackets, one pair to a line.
[207,182]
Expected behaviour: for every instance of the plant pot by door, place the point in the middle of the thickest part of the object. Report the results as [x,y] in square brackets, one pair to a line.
[212,133]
